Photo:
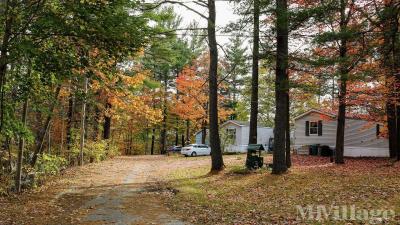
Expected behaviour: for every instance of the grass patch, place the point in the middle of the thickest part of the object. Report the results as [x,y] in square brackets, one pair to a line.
[257,197]
[239,170]
[231,153]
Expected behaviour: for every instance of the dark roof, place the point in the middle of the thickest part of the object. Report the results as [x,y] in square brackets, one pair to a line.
[314,111]
[333,116]
[240,123]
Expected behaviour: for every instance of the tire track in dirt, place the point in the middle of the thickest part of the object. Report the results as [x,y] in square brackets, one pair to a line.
[131,202]
[123,190]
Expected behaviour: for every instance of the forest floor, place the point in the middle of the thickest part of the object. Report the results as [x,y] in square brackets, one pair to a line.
[352,193]
[123,190]
[177,190]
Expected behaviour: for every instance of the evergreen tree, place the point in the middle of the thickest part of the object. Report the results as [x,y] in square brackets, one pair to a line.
[237,71]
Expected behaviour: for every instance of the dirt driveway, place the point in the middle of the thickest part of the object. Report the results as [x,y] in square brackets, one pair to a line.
[123,190]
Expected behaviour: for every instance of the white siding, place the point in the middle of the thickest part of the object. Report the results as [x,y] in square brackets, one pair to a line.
[239,136]
[242,137]
[365,152]
[264,134]
[363,134]
[198,138]
[245,135]
[360,136]
[328,131]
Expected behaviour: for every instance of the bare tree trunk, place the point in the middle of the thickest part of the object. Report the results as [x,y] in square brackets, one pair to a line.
[396,56]
[390,59]
[163,137]
[107,123]
[131,143]
[147,141]
[217,162]
[83,118]
[187,132]
[8,149]
[87,119]
[45,129]
[391,124]
[333,94]
[288,154]
[4,56]
[254,77]
[153,137]
[339,158]
[95,134]
[398,124]
[176,137]
[62,132]
[163,133]
[177,132]
[70,121]
[203,132]
[49,140]
[21,147]
[281,88]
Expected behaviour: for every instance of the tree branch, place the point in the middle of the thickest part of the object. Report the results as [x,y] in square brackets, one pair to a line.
[183,5]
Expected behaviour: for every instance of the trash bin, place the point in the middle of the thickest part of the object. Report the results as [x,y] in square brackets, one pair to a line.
[254,159]
[326,151]
[314,149]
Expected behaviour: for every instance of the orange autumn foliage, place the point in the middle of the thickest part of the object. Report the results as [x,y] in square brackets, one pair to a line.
[123,87]
[191,100]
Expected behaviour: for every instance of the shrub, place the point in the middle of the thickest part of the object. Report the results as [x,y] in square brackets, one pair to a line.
[112,151]
[50,164]
[96,151]
[136,149]
[5,183]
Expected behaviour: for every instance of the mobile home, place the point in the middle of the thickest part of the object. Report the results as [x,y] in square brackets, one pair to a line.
[235,135]
[362,138]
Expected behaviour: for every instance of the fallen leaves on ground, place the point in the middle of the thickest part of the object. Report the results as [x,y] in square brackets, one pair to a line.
[262,198]
[230,197]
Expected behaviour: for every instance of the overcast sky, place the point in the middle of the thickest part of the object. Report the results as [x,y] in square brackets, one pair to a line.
[224,16]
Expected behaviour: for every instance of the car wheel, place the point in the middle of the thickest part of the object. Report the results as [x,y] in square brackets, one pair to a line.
[194,154]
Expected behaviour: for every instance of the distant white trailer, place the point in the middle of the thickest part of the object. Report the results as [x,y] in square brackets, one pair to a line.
[238,133]
[362,138]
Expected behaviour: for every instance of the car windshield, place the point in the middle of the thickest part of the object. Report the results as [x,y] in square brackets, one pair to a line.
[191,145]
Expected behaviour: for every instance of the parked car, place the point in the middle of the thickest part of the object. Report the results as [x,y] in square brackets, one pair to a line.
[175,148]
[195,150]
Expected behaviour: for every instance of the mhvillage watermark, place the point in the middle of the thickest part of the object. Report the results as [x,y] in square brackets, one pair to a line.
[344,213]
